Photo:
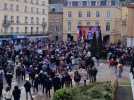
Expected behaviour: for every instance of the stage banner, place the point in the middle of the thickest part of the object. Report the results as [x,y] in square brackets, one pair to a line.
[86,32]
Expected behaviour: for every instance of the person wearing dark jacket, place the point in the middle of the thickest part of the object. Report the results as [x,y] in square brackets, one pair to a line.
[44,81]
[16,93]
[56,83]
[36,83]
[94,73]
[1,87]
[48,86]
[1,83]
[27,87]
[9,77]
[132,66]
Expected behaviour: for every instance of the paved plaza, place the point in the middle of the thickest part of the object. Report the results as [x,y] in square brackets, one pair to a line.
[104,74]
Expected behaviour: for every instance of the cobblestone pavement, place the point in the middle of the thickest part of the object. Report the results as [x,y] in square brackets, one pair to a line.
[104,74]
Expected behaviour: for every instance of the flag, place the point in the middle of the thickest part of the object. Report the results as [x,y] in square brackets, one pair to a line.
[90,35]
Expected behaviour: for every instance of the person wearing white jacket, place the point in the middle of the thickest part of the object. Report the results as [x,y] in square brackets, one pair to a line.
[83,74]
[8,94]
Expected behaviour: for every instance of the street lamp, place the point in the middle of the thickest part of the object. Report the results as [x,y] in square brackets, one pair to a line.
[44,24]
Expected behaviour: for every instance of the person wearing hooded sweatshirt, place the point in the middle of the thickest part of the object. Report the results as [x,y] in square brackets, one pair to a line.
[27,87]
[16,93]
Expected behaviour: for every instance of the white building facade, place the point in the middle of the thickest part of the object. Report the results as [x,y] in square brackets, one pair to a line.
[19,17]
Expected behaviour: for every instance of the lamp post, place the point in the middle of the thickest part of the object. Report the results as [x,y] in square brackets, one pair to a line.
[44,24]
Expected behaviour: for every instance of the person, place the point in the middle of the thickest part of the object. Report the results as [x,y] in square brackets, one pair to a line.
[77,77]
[1,87]
[8,94]
[18,73]
[94,73]
[44,81]
[48,86]
[120,66]
[132,66]
[67,80]
[23,72]
[56,83]
[9,77]
[36,83]
[1,83]
[83,74]
[16,93]
[27,87]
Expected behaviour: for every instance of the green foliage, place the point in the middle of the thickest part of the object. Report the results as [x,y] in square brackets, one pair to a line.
[97,91]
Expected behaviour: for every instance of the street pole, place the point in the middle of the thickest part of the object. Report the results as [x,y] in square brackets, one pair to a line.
[44,24]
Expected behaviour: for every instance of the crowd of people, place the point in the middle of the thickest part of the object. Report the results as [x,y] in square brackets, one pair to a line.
[118,57]
[50,65]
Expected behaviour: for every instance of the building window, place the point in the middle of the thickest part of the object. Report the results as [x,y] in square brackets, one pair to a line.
[32,9]
[43,20]
[17,29]
[108,26]
[69,14]
[37,20]
[32,20]
[43,11]
[12,19]
[25,9]
[17,7]
[25,1]
[5,6]
[53,9]
[88,23]
[80,14]
[97,14]
[69,3]
[37,10]
[113,3]
[75,3]
[11,7]
[5,18]
[84,3]
[26,29]
[37,29]
[17,20]
[93,3]
[88,14]
[79,23]
[43,3]
[103,3]
[69,26]
[26,20]
[97,23]
[108,14]
[12,29]
[37,2]
[57,28]
[31,30]
[32,2]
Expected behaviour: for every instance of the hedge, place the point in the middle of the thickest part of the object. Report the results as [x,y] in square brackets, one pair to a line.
[96,91]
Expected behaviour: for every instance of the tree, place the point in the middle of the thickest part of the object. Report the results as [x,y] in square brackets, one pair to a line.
[100,43]
[94,45]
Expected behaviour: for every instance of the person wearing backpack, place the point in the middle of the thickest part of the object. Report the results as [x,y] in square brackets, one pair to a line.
[27,87]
